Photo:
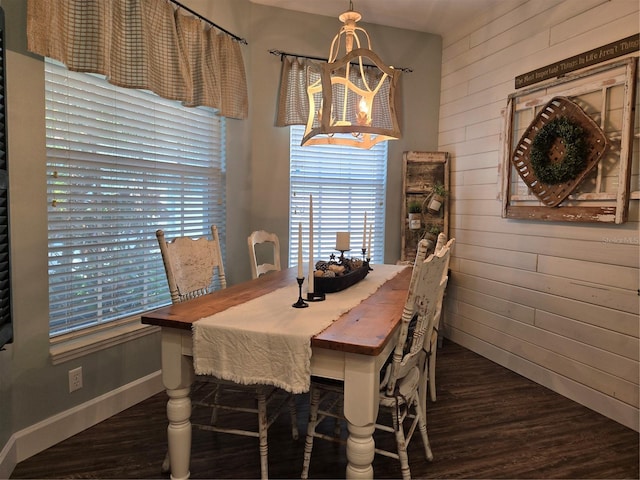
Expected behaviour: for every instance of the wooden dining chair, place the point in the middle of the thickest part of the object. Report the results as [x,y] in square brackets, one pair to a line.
[399,395]
[264,252]
[431,348]
[194,267]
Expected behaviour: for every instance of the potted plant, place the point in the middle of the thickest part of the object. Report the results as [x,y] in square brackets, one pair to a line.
[431,236]
[432,233]
[415,215]
[438,195]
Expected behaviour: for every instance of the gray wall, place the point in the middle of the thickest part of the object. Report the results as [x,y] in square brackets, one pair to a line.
[257,190]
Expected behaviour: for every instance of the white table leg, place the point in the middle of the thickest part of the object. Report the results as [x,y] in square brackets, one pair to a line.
[361,404]
[177,377]
[179,432]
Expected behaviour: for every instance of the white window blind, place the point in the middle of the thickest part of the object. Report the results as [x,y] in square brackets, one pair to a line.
[122,163]
[345,183]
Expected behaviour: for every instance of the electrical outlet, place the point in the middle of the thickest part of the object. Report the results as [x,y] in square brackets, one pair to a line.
[75,379]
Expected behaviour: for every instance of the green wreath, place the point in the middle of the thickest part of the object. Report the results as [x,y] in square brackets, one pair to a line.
[573,161]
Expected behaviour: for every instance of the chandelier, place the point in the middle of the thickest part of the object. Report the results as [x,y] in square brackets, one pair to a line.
[353,101]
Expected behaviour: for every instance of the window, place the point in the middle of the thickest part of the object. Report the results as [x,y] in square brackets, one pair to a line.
[122,163]
[345,183]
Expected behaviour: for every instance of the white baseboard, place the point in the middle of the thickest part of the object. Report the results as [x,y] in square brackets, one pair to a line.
[48,432]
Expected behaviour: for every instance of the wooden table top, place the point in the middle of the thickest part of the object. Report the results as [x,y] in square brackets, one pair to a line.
[380,312]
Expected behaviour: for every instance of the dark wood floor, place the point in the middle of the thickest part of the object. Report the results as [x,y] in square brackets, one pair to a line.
[488,422]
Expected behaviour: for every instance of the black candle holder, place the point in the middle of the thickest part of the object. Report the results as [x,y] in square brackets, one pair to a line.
[300,303]
[367,259]
[315,297]
[342,254]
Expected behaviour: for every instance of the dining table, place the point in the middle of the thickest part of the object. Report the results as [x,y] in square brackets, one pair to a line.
[352,347]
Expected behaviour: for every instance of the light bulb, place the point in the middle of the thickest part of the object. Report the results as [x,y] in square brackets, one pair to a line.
[364,108]
[362,118]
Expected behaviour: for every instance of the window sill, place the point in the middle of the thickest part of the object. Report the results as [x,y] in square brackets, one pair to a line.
[76,345]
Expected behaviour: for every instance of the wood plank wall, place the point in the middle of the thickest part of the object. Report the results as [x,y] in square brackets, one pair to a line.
[555,302]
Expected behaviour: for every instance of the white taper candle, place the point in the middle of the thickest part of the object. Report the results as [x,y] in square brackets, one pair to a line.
[364,231]
[300,273]
[311,264]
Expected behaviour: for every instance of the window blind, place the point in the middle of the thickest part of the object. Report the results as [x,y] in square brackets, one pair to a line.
[6,330]
[122,163]
[345,183]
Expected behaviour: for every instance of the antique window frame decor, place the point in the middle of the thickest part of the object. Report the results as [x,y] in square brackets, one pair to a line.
[588,114]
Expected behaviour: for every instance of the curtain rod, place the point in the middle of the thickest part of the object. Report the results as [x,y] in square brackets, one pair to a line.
[282,54]
[204,19]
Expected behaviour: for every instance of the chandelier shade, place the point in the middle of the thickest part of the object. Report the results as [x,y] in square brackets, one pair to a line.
[353,101]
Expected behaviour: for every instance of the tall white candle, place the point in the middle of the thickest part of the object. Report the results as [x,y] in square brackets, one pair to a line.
[311,265]
[364,231]
[343,241]
[300,274]
[369,247]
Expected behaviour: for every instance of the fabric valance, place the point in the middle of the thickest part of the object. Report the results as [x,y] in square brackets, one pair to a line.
[143,44]
[296,74]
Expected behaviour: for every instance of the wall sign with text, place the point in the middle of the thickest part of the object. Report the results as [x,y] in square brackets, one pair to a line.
[592,57]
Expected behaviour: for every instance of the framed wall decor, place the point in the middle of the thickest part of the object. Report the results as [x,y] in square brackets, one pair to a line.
[589,116]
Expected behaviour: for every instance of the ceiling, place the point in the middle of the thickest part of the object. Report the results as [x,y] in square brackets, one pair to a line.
[431,16]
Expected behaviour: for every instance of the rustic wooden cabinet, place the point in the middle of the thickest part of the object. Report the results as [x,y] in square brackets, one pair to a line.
[422,172]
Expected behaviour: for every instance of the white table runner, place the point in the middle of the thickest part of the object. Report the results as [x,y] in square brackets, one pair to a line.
[267,341]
